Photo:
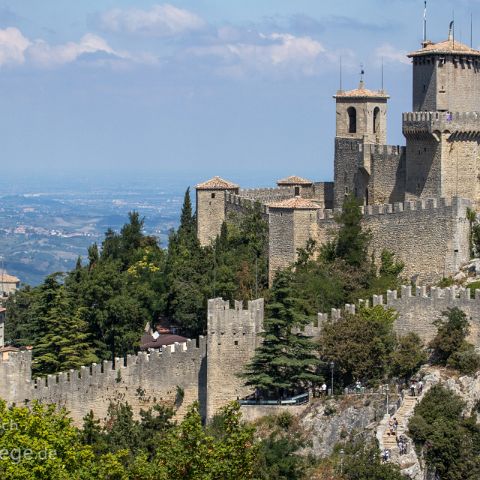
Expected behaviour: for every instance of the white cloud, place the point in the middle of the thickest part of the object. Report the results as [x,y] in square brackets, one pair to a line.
[16,49]
[12,46]
[273,53]
[160,20]
[391,55]
[45,55]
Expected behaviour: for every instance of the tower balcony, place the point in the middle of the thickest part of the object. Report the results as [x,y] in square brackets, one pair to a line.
[463,125]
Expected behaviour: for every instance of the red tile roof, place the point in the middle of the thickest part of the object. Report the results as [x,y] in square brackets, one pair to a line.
[295,203]
[294,180]
[216,183]
[361,92]
[447,47]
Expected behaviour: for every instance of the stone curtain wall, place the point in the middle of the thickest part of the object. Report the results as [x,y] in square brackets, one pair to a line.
[232,339]
[418,310]
[430,236]
[387,182]
[141,380]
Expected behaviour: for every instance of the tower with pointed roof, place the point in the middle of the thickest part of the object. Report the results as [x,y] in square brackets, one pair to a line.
[363,165]
[211,207]
[443,130]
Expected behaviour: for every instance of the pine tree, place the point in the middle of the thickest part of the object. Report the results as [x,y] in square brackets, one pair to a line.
[63,341]
[352,241]
[286,360]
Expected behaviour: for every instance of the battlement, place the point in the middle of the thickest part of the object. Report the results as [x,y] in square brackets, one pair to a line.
[433,123]
[400,207]
[418,309]
[390,150]
[243,203]
[224,319]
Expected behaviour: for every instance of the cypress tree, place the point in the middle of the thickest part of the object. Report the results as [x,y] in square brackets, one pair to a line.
[286,360]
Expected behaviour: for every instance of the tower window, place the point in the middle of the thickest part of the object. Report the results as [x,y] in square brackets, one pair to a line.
[213,195]
[352,120]
[376,120]
[297,191]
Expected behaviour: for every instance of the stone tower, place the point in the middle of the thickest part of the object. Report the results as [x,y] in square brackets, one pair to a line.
[443,131]
[211,207]
[361,119]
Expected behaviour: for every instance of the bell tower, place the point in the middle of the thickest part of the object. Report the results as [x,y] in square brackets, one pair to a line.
[361,120]
[443,130]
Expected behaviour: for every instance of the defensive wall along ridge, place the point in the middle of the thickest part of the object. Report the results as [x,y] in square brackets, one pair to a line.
[141,380]
[208,370]
[431,236]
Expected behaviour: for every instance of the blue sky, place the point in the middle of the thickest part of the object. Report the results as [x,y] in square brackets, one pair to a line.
[238,88]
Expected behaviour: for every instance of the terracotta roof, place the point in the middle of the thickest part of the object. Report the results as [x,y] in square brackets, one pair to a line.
[447,47]
[147,341]
[6,278]
[361,92]
[294,180]
[9,348]
[216,183]
[295,203]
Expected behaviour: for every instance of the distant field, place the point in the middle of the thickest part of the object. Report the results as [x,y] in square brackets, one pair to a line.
[45,232]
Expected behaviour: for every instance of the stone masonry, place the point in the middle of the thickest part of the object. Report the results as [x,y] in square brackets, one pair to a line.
[439,167]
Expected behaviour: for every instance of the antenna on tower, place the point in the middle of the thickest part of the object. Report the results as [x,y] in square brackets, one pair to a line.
[382,74]
[424,22]
[341,74]
[362,73]
[471,30]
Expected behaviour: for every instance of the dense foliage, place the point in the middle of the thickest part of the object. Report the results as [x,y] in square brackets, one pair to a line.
[98,310]
[342,271]
[285,362]
[364,347]
[450,346]
[41,443]
[449,440]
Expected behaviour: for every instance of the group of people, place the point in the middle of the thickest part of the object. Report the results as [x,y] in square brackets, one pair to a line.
[416,388]
[402,443]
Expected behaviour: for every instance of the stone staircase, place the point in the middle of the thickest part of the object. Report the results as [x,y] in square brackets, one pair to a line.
[402,415]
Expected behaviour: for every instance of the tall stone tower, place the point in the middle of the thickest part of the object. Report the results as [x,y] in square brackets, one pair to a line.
[361,119]
[211,207]
[443,131]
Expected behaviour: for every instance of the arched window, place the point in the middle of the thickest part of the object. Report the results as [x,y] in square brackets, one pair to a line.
[352,120]
[376,120]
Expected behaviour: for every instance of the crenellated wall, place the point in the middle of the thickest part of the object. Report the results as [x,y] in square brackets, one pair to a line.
[418,309]
[141,380]
[430,236]
[231,342]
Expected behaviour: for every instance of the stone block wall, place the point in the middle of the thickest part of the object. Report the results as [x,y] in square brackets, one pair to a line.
[430,236]
[141,380]
[418,309]
[232,339]
[210,214]
[388,169]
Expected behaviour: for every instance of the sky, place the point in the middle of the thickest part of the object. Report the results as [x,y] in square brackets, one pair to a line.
[195,88]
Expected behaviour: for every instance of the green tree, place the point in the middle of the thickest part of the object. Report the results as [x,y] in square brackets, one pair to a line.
[360,345]
[449,441]
[450,346]
[286,359]
[40,443]
[352,241]
[63,341]
[409,355]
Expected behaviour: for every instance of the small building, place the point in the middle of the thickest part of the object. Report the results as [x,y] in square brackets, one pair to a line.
[8,284]
[161,337]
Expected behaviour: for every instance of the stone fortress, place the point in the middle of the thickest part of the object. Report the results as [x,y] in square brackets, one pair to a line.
[415,201]
[415,197]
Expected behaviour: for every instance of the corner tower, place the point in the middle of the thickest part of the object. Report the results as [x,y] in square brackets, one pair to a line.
[443,131]
[361,119]
[211,207]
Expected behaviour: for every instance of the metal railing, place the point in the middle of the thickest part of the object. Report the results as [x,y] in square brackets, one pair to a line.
[296,400]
